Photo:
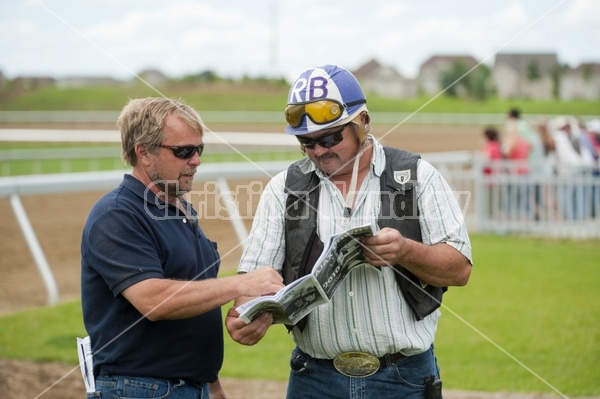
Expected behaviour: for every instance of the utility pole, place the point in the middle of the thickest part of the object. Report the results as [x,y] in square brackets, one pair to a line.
[274,41]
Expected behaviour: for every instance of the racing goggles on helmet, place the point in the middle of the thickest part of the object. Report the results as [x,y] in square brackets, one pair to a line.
[320,112]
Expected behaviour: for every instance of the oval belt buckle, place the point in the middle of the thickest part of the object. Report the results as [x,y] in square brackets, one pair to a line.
[356,364]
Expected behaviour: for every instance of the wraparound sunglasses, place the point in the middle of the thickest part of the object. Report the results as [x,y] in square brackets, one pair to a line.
[326,141]
[184,151]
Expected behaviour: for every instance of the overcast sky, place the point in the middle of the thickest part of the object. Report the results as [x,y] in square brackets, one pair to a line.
[274,37]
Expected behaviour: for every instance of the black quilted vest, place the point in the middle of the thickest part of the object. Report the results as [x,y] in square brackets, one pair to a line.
[398,210]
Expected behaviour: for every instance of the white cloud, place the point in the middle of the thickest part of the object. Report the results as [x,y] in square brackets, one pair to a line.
[514,15]
[391,10]
[22,27]
[586,12]
[238,37]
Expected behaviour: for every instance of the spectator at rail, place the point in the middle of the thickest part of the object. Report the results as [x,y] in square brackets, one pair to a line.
[571,166]
[548,207]
[517,149]
[589,146]
[540,156]
[517,127]
[549,147]
[593,129]
[590,154]
[493,165]
[492,150]
[574,149]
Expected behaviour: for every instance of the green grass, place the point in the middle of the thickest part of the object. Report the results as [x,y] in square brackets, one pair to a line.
[253,97]
[535,299]
[529,301]
[46,166]
[113,98]
[268,360]
[44,334]
[40,167]
[102,98]
[445,104]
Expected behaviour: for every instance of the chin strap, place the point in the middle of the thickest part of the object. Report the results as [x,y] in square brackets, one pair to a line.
[351,195]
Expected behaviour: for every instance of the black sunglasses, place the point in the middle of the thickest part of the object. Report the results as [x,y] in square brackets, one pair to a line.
[326,141]
[184,151]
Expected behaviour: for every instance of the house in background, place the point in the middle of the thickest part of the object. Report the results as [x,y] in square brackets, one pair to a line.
[152,76]
[33,82]
[525,75]
[384,81]
[87,81]
[514,75]
[581,83]
[431,71]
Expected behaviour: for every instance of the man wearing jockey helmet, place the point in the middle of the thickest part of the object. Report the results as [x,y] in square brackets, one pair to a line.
[376,335]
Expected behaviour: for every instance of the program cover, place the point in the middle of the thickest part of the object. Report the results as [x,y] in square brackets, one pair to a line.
[342,253]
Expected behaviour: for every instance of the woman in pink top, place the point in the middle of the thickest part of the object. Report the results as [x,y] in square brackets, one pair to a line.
[492,150]
[517,149]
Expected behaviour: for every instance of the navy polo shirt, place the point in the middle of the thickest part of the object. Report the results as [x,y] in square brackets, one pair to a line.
[130,235]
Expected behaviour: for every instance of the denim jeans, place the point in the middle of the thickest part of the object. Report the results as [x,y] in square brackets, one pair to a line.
[314,378]
[120,386]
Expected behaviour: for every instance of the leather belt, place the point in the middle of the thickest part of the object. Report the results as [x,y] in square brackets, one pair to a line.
[388,360]
[384,361]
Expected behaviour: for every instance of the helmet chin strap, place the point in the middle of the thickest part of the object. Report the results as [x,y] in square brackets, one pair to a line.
[351,195]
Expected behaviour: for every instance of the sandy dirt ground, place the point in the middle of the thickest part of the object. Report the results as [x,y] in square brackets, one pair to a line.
[58,221]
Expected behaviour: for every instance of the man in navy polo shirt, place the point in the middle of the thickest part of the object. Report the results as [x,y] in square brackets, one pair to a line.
[150,294]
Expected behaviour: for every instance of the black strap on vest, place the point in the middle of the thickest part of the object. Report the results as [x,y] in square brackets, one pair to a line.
[398,210]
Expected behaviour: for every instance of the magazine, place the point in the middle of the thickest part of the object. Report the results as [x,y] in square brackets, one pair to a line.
[84,351]
[341,253]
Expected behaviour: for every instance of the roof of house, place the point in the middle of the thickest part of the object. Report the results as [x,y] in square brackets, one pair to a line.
[373,67]
[442,61]
[592,68]
[367,69]
[521,62]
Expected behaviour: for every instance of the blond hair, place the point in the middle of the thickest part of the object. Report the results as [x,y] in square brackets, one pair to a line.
[142,120]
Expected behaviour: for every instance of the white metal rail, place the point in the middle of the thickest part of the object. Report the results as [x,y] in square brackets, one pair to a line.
[500,203]
[14,187]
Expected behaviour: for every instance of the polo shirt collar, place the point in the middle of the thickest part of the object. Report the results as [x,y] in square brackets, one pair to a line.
[139,189]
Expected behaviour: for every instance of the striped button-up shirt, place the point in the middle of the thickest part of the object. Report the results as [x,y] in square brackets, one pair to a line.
[367,312]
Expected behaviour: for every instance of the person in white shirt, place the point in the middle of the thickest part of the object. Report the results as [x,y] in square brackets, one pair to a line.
[575,160]
[370,319]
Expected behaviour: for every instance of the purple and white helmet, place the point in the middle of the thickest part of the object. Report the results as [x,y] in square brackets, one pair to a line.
[323,97]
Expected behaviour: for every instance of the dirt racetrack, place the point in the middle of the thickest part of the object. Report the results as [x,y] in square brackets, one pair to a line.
[58,221]
[59,218]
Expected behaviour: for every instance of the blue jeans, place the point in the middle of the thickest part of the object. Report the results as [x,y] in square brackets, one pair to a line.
[315,378]
[120,386]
